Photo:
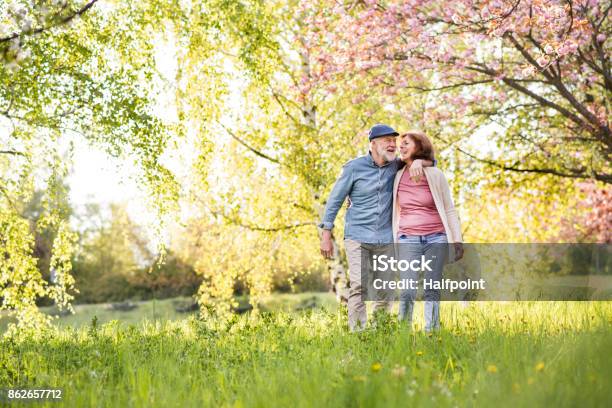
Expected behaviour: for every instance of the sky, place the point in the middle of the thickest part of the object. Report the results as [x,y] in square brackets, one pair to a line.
[97,177]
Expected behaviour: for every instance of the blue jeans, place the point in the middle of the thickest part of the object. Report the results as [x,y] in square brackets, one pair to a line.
[413,247]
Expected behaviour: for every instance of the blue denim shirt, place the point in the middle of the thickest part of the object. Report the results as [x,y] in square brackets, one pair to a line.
[370,189]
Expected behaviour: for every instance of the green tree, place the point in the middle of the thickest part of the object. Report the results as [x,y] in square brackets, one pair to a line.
[73,70]
[290,142]
[111,252]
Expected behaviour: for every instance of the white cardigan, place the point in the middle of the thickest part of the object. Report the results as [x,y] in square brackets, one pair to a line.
[442,198]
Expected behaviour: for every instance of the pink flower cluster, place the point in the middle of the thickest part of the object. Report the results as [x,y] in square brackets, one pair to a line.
[455,40]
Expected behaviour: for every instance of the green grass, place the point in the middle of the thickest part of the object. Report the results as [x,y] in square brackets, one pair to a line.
[487,354]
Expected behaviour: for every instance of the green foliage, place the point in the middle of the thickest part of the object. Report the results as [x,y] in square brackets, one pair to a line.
[231,259]
[114,263]
[21,282]
[73,71]
[61,266]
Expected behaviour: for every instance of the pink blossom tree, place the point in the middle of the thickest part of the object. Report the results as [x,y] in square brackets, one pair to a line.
[539,70]
[594,220]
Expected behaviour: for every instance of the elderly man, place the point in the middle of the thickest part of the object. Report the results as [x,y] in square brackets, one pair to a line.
[368,182]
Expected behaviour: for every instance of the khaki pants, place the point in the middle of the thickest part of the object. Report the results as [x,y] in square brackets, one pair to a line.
[357,314]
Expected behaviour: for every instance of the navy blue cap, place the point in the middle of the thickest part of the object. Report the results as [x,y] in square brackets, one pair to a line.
[380,130]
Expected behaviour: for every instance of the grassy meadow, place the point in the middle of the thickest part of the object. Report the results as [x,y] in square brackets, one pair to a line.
[487,354]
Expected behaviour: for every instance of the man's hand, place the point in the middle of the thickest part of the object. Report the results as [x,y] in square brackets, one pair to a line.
[416,169]
[327,247]
[458,250]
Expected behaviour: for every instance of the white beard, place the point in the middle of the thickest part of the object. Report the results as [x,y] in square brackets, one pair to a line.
[388,156]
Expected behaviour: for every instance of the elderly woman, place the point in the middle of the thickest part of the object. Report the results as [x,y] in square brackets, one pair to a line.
[425,222]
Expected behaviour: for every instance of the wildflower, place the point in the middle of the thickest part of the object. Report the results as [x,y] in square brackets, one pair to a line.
[376,367]
[540,366]
[492,368]
[399,371]
[419,353]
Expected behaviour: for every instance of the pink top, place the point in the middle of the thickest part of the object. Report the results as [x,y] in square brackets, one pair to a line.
[418,212]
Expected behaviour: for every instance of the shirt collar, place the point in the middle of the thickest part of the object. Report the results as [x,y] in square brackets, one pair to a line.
[370,158]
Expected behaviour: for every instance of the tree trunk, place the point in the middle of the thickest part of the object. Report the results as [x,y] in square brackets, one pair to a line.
[337,270]
[338,275]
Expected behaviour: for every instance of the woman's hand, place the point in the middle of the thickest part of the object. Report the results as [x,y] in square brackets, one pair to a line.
[458,251]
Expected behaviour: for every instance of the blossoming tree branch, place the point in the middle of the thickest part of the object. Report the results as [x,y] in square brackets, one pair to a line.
[538,69]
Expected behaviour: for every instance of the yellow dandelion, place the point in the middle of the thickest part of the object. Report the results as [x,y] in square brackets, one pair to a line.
[376,367]
[540,366]
[419,353]
[492,368]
